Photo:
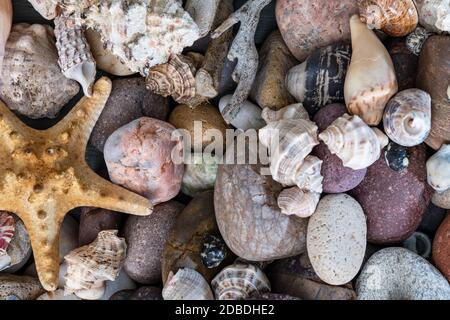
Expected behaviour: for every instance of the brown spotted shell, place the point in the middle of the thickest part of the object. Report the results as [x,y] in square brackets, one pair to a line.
[396,18]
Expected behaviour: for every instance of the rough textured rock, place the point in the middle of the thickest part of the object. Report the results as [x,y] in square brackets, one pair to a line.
[269,89]
[307,25]
[405,62]
[399,274]
[129,100]
[442,199]
[185,243]
[14,287]
[296,277]
[336,177]
[394,202]
[146,237]
[336,238]
[94,220]
[433,76]
[441,248]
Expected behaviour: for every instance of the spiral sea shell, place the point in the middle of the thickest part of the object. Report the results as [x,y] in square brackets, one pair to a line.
[295,201]
[354,142]
[186,284]
[88,267]
[371,79]
[293,111]
[407,117]
[438,169]
[240,281]
[7,229]
[396,18]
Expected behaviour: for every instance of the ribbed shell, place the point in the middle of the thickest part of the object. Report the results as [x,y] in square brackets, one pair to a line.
[89,266]
[396,18]
[240,281]
[47,8]
[75,57]
[32,82]
[294,201]
[438,169]
[7,230]
[175,78]
[293,111]
[354,142]
[407,117]
[187,284]
[308,176]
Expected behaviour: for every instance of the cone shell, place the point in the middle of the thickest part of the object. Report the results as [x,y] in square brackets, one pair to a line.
[187,284]
[240,281]
[7,229]
[396,18]
[6,15]
[370,80]
[438,169]
[75,57]
[175,78]
[295,201]
[293,111]
[88,267]
[46,8]
[407,118]
[354,142]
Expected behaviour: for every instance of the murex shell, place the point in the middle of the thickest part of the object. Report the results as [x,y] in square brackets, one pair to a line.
[407,117]
[240,281]
[32,82]
[88,267]
[354,142]
[7,229]
[396,18]
[371,79]
[438,169]
[187,284]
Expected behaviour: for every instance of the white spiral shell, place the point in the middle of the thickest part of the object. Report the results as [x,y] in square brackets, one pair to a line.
[187,284]
[293,111]
[295,201]
[438,169]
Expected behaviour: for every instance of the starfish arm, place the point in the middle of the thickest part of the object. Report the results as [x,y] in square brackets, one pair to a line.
[75,129]
[11,127]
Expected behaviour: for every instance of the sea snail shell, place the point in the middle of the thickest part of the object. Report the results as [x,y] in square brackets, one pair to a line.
[396,18]
[295,201]
[186,284]
[407,117]
[438,169]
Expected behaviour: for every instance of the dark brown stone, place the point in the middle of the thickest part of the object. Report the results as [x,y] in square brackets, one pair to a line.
[441,248]
[94,220]
[405,63]
[147,293]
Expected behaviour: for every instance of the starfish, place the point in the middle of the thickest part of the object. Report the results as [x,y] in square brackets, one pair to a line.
[43,175]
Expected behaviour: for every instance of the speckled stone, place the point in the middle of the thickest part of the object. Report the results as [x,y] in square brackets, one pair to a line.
[405,62]
[336,177]
[336,238]
[399,274]
[94,220]
[13,287]
[441,248]
[396,156]
[129,100]
[394,202]
[146,237]
[147,293]
[442,199]
[272,296]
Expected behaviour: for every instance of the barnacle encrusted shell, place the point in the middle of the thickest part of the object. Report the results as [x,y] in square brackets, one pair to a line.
[47,8]
[6,16]
[240,281]
[371,79]
[142,33]
[187,284]
[354,142]
[396,18]
[407,117]
[88,267]
[295,201]
[293,111]
[75,57]
[32,82]
[7,228]
[434,15]
[416,40]
[438,169]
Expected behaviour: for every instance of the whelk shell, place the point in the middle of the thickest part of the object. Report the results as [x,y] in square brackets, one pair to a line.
[5,27]
[187,284]
[295,201]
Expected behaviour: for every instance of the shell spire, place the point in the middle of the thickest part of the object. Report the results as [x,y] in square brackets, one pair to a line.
[438,169]
[295,201]
[7,230]
[187,284]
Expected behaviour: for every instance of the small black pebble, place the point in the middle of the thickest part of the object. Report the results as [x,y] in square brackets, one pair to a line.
[214,251]
[396,156]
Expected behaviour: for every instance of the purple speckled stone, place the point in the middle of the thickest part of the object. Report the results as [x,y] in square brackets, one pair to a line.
[394,202]
[336,177]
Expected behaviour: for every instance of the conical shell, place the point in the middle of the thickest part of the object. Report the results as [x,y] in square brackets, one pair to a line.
[438,169]
[407,118]
[293,111]
[7,229]
[88,267]
[354,142]
[75,57]
[187,284]
[32,82]
[294,201]
[175,78]
[6,15]
[396,18]
[370,80]
[240,281]
[289,142]
[47,8]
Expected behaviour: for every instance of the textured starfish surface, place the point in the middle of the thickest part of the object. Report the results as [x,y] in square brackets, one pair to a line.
[43,175]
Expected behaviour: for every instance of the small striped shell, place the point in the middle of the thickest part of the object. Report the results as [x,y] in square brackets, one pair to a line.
[295,201]
[240,281]
[187,284]
[438,169]
[407,117]
[88,267]
[293,111]
[7,229]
